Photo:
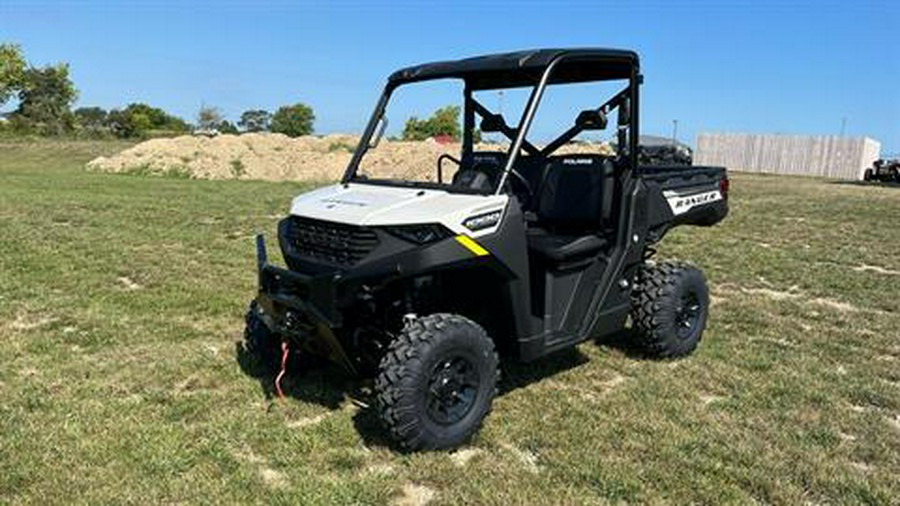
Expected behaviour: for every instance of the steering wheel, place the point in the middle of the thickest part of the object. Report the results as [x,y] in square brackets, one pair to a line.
[523,183]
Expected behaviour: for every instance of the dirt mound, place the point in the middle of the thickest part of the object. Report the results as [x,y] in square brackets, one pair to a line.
[279,157]
[248,156]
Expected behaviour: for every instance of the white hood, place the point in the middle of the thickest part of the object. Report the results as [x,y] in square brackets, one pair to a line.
[366,204]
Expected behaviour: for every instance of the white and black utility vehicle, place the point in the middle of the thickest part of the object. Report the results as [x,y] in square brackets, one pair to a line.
[422,278]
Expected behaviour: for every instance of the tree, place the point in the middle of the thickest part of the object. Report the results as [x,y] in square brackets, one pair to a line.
[444,121]
[92,121]
[46,98]
[12,71]
[91,117]
[130,122]
[226,127]
[293,120]
[209,118]
[255,120]
[137,120]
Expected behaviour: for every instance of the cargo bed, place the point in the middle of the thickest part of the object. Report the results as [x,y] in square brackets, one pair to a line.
[684,195]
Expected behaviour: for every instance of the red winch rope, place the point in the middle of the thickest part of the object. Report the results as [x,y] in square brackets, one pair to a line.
[284,356]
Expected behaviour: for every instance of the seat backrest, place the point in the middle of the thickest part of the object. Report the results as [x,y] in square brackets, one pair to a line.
[576,193]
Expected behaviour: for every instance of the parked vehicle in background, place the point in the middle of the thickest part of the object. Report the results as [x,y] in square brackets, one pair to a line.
[885,171]
[654,150]
[206,132]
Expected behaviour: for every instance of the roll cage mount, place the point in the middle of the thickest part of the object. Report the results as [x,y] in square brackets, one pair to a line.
[538,69]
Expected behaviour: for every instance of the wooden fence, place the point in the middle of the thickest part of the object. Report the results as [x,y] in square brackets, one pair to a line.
[825,156]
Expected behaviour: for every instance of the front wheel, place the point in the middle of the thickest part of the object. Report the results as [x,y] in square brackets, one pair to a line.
[436,382]
[670,304]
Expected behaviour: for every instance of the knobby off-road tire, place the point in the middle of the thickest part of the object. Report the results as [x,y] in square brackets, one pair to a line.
[670,305]
[868,175]
[436,382]
[259,340]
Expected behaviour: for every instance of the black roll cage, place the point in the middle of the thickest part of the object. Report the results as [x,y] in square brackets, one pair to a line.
[627,161]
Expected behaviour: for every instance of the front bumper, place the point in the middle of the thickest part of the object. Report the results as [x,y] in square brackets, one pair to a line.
[302,309]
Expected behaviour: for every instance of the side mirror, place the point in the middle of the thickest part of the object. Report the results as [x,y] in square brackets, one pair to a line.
[624,112]
[591,119]
[493,123]
[379,132]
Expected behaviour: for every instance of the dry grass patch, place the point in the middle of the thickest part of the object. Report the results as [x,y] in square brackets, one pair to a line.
[413,495]
[114,395]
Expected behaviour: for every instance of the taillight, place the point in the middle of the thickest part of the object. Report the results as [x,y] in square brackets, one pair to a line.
[724,185]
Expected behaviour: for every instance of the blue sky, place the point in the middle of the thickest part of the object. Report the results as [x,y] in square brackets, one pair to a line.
[755,66]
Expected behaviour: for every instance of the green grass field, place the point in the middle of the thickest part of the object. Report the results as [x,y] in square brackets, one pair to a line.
[121,306]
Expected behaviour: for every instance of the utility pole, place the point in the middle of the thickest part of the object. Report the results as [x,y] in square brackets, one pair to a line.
[843,125]
[674,131]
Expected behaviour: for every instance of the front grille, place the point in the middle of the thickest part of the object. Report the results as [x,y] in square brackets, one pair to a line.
[328,242]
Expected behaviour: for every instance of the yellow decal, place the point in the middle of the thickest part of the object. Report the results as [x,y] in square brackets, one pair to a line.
[471,245]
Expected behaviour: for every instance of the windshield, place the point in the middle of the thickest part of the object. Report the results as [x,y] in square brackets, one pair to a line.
[436,136]
[422,142]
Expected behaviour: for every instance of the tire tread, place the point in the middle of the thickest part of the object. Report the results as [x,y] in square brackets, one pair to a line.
[654,284]
[403,357]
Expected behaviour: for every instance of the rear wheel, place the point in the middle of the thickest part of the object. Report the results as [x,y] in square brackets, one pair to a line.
[436,382]
[670,303]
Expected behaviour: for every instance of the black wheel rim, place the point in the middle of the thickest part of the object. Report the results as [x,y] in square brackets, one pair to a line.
[452,389]
[687,317]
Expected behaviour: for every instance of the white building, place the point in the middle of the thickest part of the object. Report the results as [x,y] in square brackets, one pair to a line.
[826,156]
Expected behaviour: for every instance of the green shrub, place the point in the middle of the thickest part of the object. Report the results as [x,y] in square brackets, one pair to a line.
[444,121]
[340,146]
[237,168]
[142,120]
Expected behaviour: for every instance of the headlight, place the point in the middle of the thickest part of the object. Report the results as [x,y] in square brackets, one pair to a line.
[483,221]
[419,234]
